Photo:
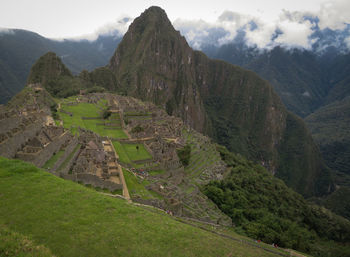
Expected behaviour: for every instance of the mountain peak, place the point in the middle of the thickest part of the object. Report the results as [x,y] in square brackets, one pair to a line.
[152,19]
[49,66]
[154,13]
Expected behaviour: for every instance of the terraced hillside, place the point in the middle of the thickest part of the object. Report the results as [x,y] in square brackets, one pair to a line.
[90,116]
[145,140]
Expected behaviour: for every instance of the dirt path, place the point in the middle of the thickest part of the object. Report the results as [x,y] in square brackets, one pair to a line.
[121,175]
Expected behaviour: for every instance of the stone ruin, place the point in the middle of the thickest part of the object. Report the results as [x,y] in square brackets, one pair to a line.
[47,141]
[95,164]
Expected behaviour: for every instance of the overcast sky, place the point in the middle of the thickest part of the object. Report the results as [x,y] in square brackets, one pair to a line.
[74,18]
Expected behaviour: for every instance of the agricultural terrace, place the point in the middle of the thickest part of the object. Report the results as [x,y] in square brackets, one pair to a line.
[90,116]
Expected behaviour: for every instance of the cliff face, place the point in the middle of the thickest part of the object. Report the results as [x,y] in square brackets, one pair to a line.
[155,63]
[234,106]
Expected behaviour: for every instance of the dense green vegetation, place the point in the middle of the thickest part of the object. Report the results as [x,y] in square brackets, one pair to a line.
[184,155]
[137,129]
[297,154]
[263,207]
[69,219]
[339,201]
[330,129]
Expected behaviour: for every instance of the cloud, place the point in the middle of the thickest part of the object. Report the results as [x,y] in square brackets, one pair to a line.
[334,14]
[200,32]
[117,29]
[295,34]
[224,30]
[261,36]
[6,31]
[347,42]
[291,29]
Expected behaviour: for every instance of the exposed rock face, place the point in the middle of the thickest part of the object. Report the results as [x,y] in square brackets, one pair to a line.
[234,106]
[154,62]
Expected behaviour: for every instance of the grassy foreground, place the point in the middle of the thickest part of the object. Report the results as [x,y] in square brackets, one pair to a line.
[71,220]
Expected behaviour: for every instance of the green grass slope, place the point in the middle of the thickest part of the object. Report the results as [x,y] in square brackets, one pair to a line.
[15,244]
[72,220]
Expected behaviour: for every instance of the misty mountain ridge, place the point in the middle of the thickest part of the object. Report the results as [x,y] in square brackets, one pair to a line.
[19,49]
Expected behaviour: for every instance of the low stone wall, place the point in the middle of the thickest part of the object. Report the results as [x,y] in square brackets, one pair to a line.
[12,145]
[90,179]
[65,112]
[148,149]
[152,202]
[171,164]
[67,151]
[46,153]
[91,118]
[136,141]
[71,161]
[95,181]
[27,157]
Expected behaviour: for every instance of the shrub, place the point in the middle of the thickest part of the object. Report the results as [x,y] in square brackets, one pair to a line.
[184,154]
[137,129]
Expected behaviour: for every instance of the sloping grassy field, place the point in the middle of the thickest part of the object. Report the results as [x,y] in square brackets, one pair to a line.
[71,220]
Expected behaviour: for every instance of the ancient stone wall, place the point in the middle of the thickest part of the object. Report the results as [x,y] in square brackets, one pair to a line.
[7,124]
[45,154]
[95,181]
[66,169]
[15,143]
[67,151]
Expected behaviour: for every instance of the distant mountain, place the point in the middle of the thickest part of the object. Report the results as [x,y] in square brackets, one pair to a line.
[330,128]
[236,107]
[19,49]
[313,84]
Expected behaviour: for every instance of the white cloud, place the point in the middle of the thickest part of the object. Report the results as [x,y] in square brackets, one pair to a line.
[334,14]
[261,36]
[117,28]
[294,27]
[295,34]
[6,31]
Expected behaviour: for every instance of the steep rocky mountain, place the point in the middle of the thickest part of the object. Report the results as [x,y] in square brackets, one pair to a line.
[312,84]
[298,76]
[234,106]
[19,49]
